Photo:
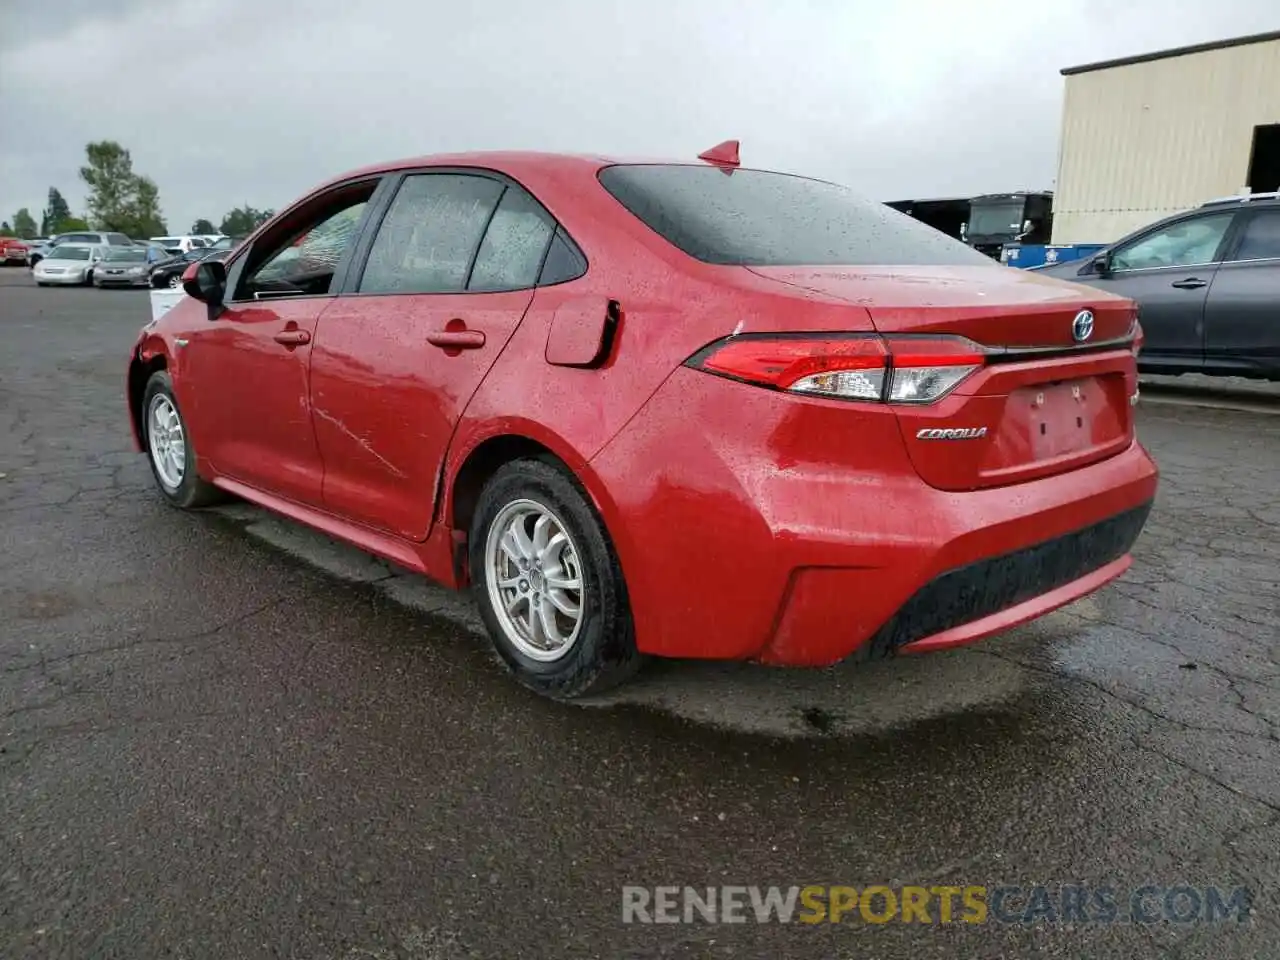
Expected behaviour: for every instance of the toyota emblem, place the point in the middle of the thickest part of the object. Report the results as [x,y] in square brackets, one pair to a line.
[1082,326]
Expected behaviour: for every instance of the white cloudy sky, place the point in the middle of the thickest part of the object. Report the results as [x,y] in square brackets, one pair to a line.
[225,102]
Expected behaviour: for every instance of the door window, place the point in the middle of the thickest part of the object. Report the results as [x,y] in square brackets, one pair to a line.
[563,261]
[1182,244]
[513,248]
[429,237]
[303,251]
[1260,239]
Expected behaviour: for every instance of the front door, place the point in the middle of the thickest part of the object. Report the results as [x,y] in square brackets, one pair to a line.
[250,364]
[1169,271]
[447,280]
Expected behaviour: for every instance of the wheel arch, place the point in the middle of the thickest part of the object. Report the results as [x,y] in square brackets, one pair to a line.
[146,361]
[485,452]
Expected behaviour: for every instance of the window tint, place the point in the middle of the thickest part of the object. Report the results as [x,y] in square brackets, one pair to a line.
[78,238]
[513,247]
[1260,239]
[197,242]
[1180,244]
[430,234]
[563,262]
[751,217]
[119,240]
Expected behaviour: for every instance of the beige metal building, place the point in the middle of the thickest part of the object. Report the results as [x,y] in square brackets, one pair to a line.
[1151,135]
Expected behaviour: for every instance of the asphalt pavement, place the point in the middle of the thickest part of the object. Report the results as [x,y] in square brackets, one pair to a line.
[223,735]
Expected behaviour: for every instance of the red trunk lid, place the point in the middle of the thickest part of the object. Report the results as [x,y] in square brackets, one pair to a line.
[1045,402]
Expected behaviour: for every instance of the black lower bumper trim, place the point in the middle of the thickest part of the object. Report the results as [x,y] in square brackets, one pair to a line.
[986,587]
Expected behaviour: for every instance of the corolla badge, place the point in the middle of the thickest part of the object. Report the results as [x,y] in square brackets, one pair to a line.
[1082,326]
[951,433]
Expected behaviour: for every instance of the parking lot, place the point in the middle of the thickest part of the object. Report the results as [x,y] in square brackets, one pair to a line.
[224,735]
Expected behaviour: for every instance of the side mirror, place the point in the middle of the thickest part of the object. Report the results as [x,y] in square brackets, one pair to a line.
[205,280]
[1101,264]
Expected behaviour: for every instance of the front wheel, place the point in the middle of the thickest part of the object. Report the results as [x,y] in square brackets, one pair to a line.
[169,449]
[548,584]
[175,281]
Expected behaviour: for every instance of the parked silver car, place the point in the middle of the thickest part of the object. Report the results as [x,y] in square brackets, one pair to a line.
[69,263]
[123,267]
[1207,282]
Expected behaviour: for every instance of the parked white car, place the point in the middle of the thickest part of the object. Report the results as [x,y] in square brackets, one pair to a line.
[180,244]
[69,263]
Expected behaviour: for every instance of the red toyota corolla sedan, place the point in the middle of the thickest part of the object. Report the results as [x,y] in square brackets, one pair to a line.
[673,409]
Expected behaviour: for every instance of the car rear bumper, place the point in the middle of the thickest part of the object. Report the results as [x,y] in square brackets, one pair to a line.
[754,525]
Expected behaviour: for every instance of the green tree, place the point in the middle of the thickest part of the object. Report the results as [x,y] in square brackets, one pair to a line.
[111,181]
[56,214]
[5,229]
[203,226]
[71,224]
[120,199]
[142,213]
[24,225]
[242,221]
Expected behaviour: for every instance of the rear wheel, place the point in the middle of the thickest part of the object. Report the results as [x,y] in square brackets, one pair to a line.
[175,281]
[169,449]
[548,583]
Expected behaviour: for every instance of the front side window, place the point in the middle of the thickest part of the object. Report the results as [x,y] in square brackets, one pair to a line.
[1260,239]
[302,252]
[428,239]
[119,240]
[1182,244]
[757,218]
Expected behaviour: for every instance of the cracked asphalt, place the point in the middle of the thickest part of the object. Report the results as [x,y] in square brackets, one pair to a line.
[222,735]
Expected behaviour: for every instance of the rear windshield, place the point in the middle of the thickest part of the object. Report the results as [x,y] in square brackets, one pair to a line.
[756,218]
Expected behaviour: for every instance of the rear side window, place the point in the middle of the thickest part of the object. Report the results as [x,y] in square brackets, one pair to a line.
[119,240]
[756,218]
[514,245]
[564,261]
[1260,239]
[430,234]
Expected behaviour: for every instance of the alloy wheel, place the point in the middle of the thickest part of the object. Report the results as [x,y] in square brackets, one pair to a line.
[534,579]
[167,441]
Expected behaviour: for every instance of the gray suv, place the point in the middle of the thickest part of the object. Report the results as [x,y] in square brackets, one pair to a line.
[1207,282]
[39,252]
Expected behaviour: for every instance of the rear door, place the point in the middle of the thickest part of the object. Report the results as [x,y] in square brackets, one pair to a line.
[448,277]
[1242,313]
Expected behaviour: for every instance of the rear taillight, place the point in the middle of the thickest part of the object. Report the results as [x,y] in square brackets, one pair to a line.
[860,367]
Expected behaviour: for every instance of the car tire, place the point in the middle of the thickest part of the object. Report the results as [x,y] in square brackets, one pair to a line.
[175,282]
[175,476]
[597,648]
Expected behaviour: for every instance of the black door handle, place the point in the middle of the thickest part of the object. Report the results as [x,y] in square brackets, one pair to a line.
[1191,283]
